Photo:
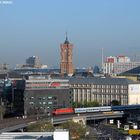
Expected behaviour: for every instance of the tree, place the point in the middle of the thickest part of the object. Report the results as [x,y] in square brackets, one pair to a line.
[85,104]
[115,102]
[41,126]
[74,104]
[2,112]
[77,130]
[94,104]
[77,104]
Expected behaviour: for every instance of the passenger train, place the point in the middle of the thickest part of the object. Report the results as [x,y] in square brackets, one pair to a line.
[63,111]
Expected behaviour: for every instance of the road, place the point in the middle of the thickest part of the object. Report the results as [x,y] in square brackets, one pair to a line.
[56,119]
[104,132]
[15,121]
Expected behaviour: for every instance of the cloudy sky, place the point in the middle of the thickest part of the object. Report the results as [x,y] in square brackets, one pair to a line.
[37,27]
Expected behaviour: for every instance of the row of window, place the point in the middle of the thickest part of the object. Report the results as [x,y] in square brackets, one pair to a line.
[43,103]
[101,86]
[44,98]
[100,91]
[46,82]
[102,98]
[40,87]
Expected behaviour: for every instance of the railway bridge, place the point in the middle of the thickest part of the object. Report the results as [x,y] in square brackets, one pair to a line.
[129,111]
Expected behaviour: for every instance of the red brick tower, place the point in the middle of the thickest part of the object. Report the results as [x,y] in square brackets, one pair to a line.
[66,65]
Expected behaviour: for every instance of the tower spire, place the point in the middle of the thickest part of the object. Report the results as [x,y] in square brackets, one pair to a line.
[66,41]
[66,36]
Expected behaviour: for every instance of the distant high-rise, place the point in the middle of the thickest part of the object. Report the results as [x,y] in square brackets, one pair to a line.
[66,65]
[114,65]
[33,61]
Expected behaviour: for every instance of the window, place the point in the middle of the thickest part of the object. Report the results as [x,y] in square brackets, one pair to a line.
[55,103]
[50,97]
[49,103]
[31,103]
[55,98]
[31,97]
[44,103]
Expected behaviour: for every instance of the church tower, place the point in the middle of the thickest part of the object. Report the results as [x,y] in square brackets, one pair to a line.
[66,65]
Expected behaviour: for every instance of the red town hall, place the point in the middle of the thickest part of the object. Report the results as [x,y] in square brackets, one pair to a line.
[66,65]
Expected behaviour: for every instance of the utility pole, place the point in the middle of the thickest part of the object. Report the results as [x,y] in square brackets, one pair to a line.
[1,116]
[1,109]
[102,59]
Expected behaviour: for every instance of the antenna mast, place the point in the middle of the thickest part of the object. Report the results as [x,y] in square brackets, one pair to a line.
[102,58]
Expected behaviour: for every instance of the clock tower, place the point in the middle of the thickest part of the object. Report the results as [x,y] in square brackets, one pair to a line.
[66,65]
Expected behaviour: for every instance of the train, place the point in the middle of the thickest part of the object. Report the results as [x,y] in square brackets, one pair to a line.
[62,111]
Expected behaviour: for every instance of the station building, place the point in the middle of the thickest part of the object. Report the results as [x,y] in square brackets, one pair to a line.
[105,90]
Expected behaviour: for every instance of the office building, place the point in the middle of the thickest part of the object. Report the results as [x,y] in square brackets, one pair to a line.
[104,90]
[33,61]
[35,96]
[42,96]
[115,65]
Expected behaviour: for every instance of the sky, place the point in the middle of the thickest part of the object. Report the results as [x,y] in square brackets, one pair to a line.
[38,27]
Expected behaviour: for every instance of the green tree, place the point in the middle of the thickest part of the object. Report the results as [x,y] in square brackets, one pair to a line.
[2,112]
[85,104]
[115,102]
[74,104]
[79,104]
[77,130]
[94,103]
[41,126]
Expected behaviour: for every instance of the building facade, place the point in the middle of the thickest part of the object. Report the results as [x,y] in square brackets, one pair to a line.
[39,96]
[102,90]
[134,93]
[43,96]
[33,61]
[35,96]
[66,64]
[115,65]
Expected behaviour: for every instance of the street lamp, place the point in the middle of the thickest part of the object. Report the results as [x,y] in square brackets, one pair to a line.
[13,98]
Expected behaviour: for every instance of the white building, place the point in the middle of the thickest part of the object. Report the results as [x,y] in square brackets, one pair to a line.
[114,65]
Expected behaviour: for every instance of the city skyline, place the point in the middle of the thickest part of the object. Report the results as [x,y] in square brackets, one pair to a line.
[38,28]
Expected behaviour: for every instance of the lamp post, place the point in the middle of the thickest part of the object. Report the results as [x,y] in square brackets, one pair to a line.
[13,98]
[37,112]
[1,109]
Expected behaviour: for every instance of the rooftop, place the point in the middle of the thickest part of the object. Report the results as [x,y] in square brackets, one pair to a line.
[101,81]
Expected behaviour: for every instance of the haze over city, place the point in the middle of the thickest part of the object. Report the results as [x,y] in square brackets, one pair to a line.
[38,28]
